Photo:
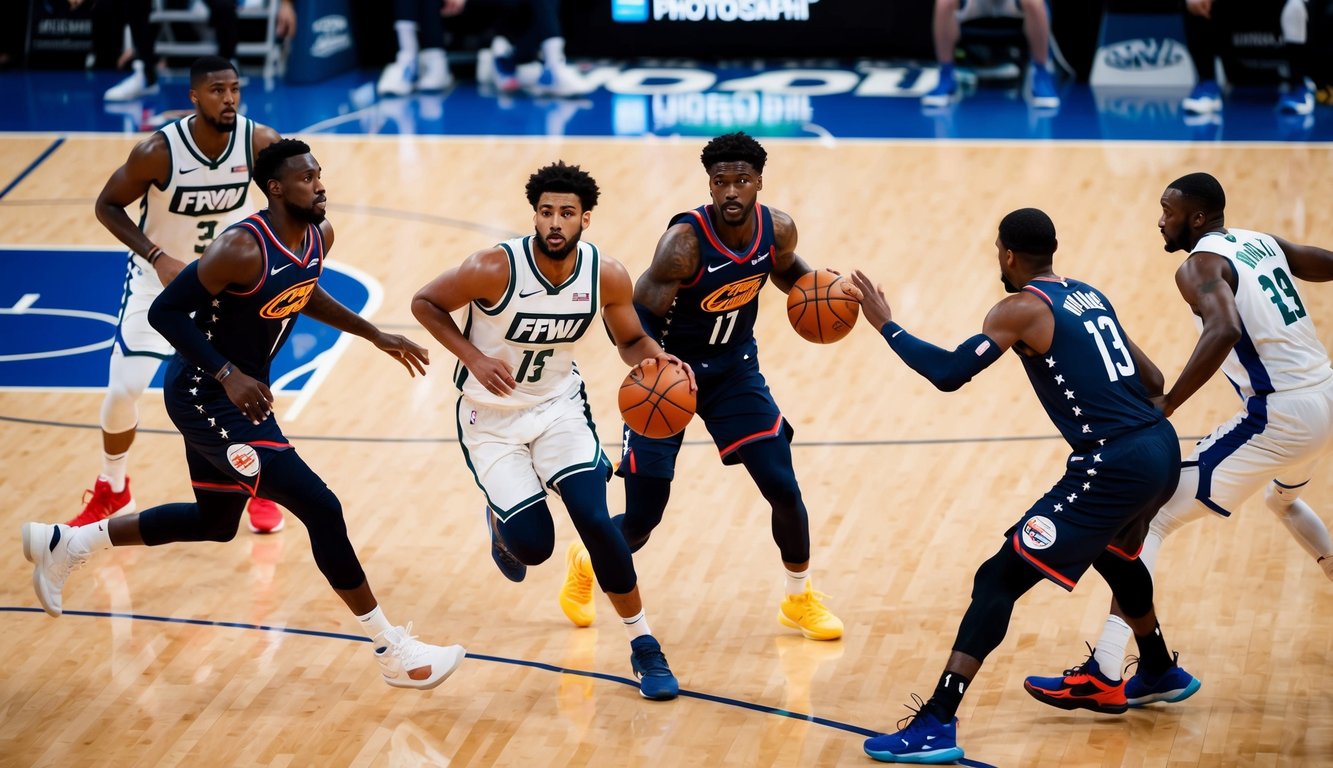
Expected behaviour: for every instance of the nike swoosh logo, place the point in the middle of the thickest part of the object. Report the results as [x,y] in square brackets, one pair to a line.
[276,270]
[531,293]
[183,171]
[716,267]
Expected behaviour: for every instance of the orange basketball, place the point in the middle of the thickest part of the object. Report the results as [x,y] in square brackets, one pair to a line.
[822,306]
[656,400]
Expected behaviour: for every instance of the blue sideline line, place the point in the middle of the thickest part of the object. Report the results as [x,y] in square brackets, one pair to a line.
[856,729]
[32,167]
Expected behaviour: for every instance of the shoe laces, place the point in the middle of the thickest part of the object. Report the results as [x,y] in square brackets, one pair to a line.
[652,662]
[1082,669]
[1133,661]
[909,723]
[811,601]
[401,644]
[581,589]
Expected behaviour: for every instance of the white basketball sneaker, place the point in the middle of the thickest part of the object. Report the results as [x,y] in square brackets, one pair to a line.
[399,78]
[136,86]
[433,70]
[47,548]
[406,662]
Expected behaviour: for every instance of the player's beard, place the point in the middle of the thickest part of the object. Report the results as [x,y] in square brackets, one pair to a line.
[219,126]
[307,215]
[1009,287]
[570,244]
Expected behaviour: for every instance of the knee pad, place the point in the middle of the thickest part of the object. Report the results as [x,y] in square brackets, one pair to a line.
[1294,16]
[127,378]
[1279,498]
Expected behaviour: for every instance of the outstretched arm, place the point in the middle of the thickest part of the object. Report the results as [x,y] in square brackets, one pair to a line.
[1204,280]
[482,277]
[149,164]
[1020,317]
[331,312]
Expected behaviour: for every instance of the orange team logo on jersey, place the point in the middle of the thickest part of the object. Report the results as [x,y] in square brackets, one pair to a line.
[290,301]
[733,295]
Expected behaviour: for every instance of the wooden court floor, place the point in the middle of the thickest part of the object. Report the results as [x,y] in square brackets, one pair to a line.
[908,490]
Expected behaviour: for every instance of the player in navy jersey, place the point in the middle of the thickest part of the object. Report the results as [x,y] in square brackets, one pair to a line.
[1097,387]
[245,293]
[699,298]
[191,180]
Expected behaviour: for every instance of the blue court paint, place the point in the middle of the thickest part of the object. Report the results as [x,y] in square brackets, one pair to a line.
[58,316]
[31,167]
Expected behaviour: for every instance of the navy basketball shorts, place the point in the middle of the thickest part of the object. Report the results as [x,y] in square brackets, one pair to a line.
[1105,501]
[736,408]
[224,450]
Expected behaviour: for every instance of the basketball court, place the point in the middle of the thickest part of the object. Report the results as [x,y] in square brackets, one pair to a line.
[239,654]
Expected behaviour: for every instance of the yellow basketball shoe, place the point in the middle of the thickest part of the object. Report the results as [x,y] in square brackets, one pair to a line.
[806,613]
[576,593]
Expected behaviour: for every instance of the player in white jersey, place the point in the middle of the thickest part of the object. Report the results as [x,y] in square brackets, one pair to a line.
[191,179]
[1255,328]
[523,417]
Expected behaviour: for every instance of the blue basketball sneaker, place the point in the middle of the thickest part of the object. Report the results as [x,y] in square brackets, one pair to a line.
[650,666]
[1299,99]
[925,740]
[1082,687]
[1173,685]
[945,91]
[510,566]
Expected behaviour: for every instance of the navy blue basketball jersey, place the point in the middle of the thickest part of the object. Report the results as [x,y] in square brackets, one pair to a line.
[714,313]
[248,327]
[1087,380]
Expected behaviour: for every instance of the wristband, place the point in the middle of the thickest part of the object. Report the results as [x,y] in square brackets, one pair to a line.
[224,372]
[153,255]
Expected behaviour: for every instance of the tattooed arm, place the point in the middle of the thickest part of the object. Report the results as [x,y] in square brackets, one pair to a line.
[675,261]
[1206,281]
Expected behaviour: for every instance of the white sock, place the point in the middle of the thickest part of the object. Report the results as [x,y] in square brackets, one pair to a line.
[114,468]
[90,538]
[1110,650]
[374,623]
[796,582]
[636,625]
[407,40]
[553,51]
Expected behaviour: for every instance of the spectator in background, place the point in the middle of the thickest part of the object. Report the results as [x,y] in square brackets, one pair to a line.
[111,16]
[1205,24]
[949,15]
[528,51]
[421,64]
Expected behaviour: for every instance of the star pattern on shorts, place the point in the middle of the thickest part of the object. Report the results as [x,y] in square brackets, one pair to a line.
[1058,507]
[1071,497]
[1078,411]
[1050,362]
[1087,486]
[223,432]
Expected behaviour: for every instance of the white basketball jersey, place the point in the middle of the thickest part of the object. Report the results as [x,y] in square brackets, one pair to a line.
[202,197]
[533,327]
[1278,349]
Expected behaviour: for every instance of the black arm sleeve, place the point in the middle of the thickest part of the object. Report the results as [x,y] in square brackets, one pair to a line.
[170,315]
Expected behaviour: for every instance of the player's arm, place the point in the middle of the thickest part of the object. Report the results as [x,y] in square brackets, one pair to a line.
[331,312]
[234,260]
[787,266]
[636,347]
[149,164]
[1149,374]
[675,261]
[1205,282]
[1014,319]
[261,138]
[483,277]
[1308,262]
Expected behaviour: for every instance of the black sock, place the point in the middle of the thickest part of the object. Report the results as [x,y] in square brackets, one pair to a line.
[948,695]
[1154,660]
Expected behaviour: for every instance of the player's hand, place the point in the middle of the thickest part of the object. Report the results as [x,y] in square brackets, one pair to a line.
[873,303]
[848,288]
[664,358]
[413,356]
[285,24]
[167,267]
[493,374]
[248,394]
[1202,8]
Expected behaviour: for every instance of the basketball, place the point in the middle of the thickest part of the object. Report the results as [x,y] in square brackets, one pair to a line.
[656,400]
[822,306]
